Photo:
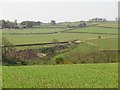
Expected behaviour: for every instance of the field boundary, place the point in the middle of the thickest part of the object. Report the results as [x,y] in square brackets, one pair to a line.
[106,27]
[93,33]
[109,50]
[19,45]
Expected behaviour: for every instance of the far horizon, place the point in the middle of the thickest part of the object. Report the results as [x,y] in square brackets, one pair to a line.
[57,21]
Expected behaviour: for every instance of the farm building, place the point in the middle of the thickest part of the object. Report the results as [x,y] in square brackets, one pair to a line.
[0,27]
[19,26]
[1,24]
[82,25]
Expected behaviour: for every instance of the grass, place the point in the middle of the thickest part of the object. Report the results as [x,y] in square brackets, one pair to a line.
[96,30]
[83,48]
[103,75]
[61,76]
[31,30]
[74,23]
[108,24]
[106,43]
[41,38]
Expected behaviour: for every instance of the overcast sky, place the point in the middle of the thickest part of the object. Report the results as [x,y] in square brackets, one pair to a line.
[72,10]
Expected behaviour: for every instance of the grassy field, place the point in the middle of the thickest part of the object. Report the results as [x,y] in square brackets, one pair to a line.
[108,24]
[50,30]
[33,30]
[99,75]
[40,38]
[61,76]
[83,48]
[96,30]
[105,43]
[74,23]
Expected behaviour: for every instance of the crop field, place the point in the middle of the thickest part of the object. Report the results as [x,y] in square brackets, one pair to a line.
[61,76]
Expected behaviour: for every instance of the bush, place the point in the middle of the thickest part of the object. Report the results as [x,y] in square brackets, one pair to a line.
[10,61]
[68,62]
[99,37]
[49,50]
[59,60]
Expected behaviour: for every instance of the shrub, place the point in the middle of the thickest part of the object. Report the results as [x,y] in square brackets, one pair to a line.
[68,62]
[49,50]
[10,61]
[59,60]
[99,37]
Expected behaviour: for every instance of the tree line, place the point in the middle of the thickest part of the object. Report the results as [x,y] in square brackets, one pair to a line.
[23,24]
[81,25]
[98,20]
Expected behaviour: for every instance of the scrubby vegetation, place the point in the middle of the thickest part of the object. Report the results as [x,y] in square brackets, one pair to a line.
[61,54]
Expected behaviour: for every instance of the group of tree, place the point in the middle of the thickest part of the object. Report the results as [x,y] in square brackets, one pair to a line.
[81,25]
[7,24]
[30,24]
[11,24]
[53,22]
[117,19]
[23,24]
[98,20]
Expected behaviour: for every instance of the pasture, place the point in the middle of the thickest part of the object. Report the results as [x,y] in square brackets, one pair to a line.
[98,30]
[27,35]
[106,43]
[74,75]
[61,76]
[111,24]
[43,38]
[80,49]
[65,24]
[31,30]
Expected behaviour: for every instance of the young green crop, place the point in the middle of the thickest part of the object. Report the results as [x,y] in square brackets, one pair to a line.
[61,76]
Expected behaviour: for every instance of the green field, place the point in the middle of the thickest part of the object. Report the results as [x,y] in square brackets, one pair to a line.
[22,39]
[101,74]
[108,24]
[31,30]
[96,30]
[61,76]
[65,24]
[22,36]
[105,43]
[40,38]
[83,48]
